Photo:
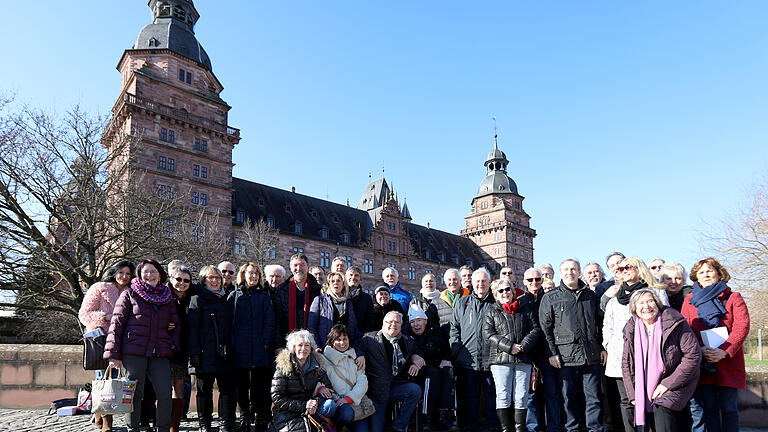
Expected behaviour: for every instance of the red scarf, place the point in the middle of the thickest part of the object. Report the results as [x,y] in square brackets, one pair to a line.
[510,308]
[292,304]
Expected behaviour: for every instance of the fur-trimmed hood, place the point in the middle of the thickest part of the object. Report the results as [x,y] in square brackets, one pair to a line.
[286,364]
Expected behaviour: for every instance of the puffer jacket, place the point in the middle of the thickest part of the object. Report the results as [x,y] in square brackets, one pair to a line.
[98,304]
[321,319]
[140,328]
[342,370]
[572,322]
[445,309]
[502,331]
[208,312]
[292,387]
[253,332]
[469,350]
[281,302]
[681,356]
[378,363]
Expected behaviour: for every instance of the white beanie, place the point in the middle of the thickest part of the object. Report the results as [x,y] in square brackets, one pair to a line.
[415,312]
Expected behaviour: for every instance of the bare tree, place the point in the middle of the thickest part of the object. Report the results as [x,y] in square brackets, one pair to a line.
[70,207]
[258,242]
[740,242]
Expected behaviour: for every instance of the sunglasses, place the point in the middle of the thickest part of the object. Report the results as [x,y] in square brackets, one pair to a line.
[655,267]
[228,272]
[503,290]
[178,279]
[534,279]
[626,267]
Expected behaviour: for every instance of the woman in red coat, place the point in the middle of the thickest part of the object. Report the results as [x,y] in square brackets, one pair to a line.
[713,304]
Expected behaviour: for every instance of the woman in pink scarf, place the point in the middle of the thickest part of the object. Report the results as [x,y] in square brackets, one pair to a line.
[660,363]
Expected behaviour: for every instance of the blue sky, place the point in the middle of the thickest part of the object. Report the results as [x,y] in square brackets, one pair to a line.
[629,125]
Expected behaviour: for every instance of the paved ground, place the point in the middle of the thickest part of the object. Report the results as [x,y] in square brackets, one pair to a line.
[39,420]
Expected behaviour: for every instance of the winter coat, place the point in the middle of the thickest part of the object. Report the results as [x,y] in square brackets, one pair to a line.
[400,295]
[180,356]
[680,354]
[676,300]
[281,302]
[379,311]
[616,317]
[378,363]
[253,332]
[501,331]
[98,304]
[140,328]
[428,306]
[468,349]
[292,387]
[342,370]
[445,310]
[321,319]
[434,346]
[362,303]
[572,324]
[731,371]
[207,313]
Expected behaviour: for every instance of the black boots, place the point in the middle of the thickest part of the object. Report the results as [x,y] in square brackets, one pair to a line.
[506,420]
[521,418]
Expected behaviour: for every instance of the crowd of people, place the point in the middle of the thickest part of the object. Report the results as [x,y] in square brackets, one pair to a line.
[633,351]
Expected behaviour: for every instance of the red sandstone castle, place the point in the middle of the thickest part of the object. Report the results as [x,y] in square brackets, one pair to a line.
[169,99]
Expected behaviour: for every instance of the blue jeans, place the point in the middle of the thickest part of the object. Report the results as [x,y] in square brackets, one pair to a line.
[715,409]
[409,394]
[343,417]
[512,382]
[468,386]
[544,405]
[581,388]
[327,408]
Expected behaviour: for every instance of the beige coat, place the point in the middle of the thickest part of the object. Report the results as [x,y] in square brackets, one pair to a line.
[338,365]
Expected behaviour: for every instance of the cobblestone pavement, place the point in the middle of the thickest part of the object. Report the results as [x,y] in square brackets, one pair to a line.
[39,420]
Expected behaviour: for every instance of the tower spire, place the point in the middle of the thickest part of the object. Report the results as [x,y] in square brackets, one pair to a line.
[495,135]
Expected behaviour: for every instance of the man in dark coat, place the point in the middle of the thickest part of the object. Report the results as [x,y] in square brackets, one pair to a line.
[392,360]
[362,302]
[383,304]
[571,319]
[470,354]
[293,298]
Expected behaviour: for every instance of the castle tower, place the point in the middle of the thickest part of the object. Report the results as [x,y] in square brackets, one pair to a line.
[169,100]
[497,223]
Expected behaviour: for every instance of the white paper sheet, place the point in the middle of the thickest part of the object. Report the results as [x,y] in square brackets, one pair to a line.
[714,337]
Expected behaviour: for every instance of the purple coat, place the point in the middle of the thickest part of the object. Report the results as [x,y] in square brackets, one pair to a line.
[680,353]
[141,328]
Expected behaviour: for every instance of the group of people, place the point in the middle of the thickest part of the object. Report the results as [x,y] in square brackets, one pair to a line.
[590,352]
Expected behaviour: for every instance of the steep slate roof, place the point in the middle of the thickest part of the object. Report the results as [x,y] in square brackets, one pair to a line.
[452,246]
[259,201]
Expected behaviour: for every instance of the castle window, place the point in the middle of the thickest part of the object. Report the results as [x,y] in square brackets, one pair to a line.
[425,253]
[324,233]
[182,75]
[288,208]
[345,238]
[484,205]
[189,77]
[298,250]
[240,216]
[271,222]
[325,259]
[196,171]
[261,202]
[368,266]
[164,191]
[392,266]
[163,134]
[441,256]
[349,261]
[195,198]
[161,163]
[171,164]
[313,212]
[392,246]
[204,172]
[411,273]
[201,145]
[427,271]
[297,227]
[203,199]
[153,42]
[171,136]
[270,250]
[239,246]
[455,259]
[166,228]
[335,218]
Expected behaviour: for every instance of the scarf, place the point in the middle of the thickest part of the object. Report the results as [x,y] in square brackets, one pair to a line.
[222,292]
[626,290]
[453,297]
[510,308]
[430,295]
[648,367]
[339,302]
[158,295]
[398,359]
[710,308]
[292,304]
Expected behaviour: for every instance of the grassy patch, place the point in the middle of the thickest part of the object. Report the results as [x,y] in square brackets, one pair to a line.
[755,362]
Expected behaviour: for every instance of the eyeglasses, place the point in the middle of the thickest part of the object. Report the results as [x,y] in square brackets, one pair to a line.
[534,279]
[213,277]
[228,271]
[503,290]
[626,267]
[656,267]
[178,279]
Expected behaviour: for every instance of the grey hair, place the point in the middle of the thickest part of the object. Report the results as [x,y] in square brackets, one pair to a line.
[573,260]
[397,273]
[178,269]
[174,264]
[426,275]
[599,268]
[451,270]
[269,267]
[482,270]
[297,336]
[226,263]
[546,266]
[533,269]
[400,315]
[639,293]
[675,267]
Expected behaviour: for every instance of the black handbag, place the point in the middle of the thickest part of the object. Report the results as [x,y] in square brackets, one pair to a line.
[93,353]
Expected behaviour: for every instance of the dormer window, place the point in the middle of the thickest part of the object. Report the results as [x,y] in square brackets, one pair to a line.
[271,222]
[297,227]
[287,208]
[240,216]
[153,42]
[324,233]
[345,238]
